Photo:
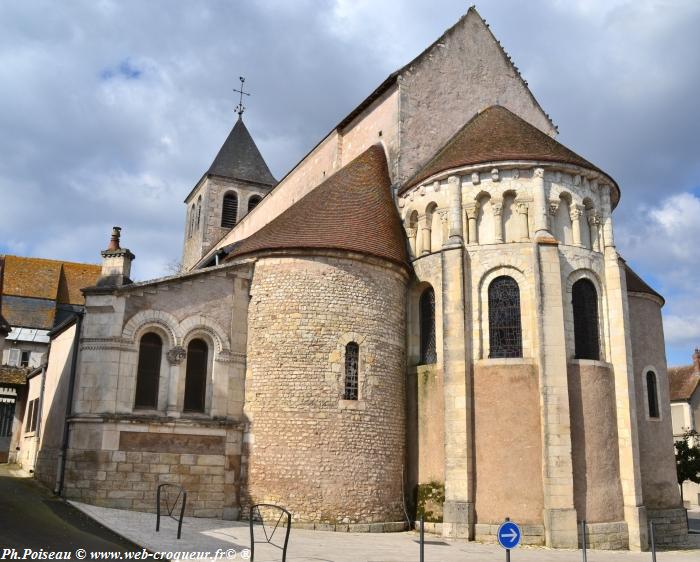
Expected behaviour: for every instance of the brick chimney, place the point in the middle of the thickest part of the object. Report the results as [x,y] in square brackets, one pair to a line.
[116,262]
[696,361]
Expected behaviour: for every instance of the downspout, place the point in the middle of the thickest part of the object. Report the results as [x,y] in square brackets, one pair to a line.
[39,421]
[58,490]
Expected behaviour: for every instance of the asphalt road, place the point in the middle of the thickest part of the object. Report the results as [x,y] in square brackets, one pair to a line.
[31,517]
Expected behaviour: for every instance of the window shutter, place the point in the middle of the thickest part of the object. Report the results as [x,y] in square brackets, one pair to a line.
[15,355]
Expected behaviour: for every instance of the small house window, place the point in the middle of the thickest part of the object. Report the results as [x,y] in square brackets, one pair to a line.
[652,395]
[253,202]
[584,299]
[229,212]
[24,361]
[352,358]
[196,376]
[426,313]
[32,416]
[505,332]
[148,371]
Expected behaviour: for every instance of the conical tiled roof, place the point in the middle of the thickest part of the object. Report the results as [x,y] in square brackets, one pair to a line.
[239,158]
[352,210]
[635,284]
[497,134]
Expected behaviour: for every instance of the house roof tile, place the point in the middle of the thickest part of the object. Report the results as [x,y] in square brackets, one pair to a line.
[683,381]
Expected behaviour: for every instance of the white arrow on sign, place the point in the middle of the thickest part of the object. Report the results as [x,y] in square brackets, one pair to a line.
[512,535]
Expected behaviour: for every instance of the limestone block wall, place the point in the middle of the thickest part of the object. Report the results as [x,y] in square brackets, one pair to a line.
[328,460]
[597,486]
[119,464]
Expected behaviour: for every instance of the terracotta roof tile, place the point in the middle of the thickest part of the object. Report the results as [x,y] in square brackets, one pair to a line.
[47,279]
[635,284]
[683,382]
[13,375]
[352,210]
[497,134]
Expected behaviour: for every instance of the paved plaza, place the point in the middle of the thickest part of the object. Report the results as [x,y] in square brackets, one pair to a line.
[201,535]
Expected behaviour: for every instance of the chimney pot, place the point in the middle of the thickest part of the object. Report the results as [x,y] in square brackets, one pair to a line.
[114,240]
[696,361]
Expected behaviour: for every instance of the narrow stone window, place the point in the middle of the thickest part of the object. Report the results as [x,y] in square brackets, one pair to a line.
[584,300]
[352,360]
[253,202]
[148,371]
[505,332]
[428,354]
[190,224]
[229,211]
[196,376]
[199,211]
[652,395]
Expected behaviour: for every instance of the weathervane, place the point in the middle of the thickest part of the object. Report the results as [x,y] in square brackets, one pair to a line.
[240,108]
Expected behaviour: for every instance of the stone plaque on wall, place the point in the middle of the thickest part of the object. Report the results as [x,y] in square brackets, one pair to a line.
[171,443]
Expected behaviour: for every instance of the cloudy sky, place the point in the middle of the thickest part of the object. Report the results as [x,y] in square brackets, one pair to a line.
[110,111]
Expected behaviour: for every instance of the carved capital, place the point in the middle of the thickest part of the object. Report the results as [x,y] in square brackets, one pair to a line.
[496,207]
[411,232]
[442,213]
[553,207]
[575,213]
[593,217]
[521,207]
[472,210]
[176,355]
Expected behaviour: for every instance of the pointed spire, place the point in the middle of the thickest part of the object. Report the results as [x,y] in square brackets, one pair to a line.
[240,159]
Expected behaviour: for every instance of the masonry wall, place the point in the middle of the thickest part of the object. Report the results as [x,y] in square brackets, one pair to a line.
[597,487]
[328,460]
[656,454]
[508,442]
[120,464]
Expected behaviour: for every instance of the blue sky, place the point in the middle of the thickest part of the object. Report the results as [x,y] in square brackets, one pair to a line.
[111,111]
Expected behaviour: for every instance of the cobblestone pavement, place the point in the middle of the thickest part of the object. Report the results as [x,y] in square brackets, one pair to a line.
[199,535]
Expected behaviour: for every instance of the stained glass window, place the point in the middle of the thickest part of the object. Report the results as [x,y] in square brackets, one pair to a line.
[428,354]
[505,333]
[585,305]
[352,358]
[652,395]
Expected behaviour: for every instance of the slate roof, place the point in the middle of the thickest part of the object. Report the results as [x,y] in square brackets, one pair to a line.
[635,284]
[352,210]
[13,375]
[683,382]
[497,134]
[239,158]
[33,288]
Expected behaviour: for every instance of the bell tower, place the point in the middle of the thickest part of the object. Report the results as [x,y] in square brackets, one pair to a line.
[234,184]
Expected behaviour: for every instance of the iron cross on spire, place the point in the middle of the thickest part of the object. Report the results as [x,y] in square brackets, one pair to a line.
[240,108]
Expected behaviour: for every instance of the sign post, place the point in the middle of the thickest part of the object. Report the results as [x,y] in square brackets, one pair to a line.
[509,536]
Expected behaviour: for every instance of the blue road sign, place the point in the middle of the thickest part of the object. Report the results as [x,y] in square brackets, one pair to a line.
[509,535]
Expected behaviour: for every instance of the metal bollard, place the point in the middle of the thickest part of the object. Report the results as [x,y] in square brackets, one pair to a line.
[422,540]
[583,540]
[652,541]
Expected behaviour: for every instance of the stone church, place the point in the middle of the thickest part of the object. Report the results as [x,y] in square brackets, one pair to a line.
[431,296]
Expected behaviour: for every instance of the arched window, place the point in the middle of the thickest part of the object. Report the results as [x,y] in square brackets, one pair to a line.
[229,211]
[199,211]
[190,225]
[505,333]
[196,376]
[148,371]
[426,311]
[584,299]
[652,395]
[253,202]
[352,360]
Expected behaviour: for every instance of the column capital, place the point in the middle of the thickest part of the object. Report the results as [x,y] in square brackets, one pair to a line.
[411,232]
[472,210]
[496,207]
[553,206]
[521,207]
[538,173]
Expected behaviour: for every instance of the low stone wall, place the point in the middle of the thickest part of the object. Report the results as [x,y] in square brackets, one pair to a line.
[204,461]
[532,534]
[606,536]
[670,526]
[46,466]
[389,527]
